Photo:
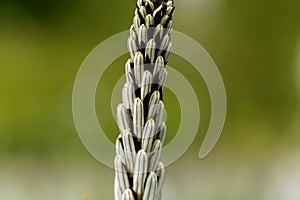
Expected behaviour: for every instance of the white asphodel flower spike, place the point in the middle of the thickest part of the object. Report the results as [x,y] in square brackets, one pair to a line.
[139,174]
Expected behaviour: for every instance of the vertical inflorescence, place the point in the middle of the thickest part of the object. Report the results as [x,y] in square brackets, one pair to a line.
[139,174]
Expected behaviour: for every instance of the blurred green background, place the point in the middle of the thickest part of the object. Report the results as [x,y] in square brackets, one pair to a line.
[256,45]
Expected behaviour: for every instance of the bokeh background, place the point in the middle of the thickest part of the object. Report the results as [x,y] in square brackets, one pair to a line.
[256,45]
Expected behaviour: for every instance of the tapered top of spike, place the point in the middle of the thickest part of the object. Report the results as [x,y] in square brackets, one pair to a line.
[152,6]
